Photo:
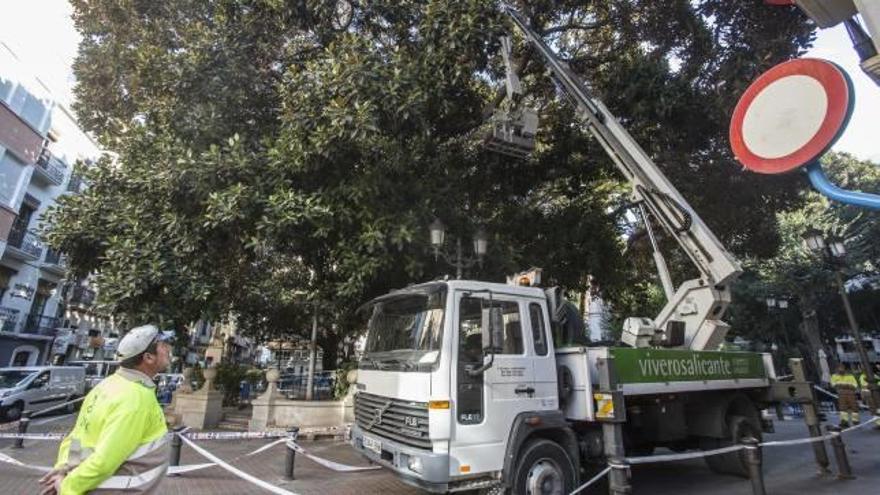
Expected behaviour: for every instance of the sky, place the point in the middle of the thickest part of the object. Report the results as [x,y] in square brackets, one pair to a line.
[42,34]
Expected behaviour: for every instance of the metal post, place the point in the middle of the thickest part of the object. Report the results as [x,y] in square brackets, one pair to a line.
[290,456]
[176,444]
[753,460]
[811,418]
[23,424]
[844,471]
[313,353]
[857,336]
[612,435]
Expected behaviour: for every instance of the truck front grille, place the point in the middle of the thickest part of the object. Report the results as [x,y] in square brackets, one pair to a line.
[403,421]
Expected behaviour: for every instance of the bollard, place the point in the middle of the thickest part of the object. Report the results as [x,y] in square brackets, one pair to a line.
[23,424]
[176,444]
[779,414]
[844,471]
[290,458]
[753,460]
[619,477]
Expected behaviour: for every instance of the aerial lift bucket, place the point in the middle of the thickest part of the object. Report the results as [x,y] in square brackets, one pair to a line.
[512,133]
[513,127]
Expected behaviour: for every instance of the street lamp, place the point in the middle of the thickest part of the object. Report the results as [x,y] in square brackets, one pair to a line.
[833,252]
[779,306]
[458,260]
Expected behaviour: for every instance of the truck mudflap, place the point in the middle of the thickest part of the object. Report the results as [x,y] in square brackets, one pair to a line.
[420,468]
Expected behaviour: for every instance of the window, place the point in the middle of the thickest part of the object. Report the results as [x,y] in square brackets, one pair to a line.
[539,333]
[470,327]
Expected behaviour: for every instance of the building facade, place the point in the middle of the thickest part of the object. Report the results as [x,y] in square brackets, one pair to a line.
[44,316]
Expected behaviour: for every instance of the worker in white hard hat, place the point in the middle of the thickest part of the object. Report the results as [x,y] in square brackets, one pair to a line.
[119,443]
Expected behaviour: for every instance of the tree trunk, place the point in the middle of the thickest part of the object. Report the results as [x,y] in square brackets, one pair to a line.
[810,332]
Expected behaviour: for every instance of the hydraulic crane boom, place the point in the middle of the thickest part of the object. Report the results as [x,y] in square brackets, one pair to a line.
[696,305]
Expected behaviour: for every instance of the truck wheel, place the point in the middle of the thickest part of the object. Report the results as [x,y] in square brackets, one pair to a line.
[13,412]
[734,462]
[544,468]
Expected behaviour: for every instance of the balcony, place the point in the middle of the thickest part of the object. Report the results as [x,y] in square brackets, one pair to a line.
[40,325]
[50,169]
[8,319]
[55,262]
[82,297]
[24,244]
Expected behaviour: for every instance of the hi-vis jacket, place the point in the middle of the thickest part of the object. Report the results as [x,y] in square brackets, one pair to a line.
[119,441]
[846,380]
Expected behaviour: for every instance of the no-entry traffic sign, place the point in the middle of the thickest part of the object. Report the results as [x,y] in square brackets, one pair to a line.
[791,115]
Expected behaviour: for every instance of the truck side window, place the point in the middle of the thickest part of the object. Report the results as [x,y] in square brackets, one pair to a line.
[539,333]
[513,335]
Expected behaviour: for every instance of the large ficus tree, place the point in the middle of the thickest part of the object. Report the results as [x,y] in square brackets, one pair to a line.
[271,154]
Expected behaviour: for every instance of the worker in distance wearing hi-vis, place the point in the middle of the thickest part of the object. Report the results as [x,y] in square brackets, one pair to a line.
[119,442]
[846,385]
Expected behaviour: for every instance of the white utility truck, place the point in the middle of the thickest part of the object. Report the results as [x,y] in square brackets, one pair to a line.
[470,385]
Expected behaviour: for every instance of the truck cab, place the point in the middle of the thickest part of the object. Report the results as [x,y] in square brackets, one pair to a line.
[449,368]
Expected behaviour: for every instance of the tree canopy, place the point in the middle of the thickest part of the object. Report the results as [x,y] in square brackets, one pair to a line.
[271,153]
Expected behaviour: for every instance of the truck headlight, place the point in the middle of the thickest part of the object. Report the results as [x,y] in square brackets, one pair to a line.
[414,464]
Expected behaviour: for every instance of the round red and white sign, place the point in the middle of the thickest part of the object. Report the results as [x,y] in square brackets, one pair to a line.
[791,115]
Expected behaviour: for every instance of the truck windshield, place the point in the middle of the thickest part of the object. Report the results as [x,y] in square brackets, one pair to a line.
[405,331]
[11,378]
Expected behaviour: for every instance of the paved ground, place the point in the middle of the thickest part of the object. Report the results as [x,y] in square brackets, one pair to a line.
[788,470]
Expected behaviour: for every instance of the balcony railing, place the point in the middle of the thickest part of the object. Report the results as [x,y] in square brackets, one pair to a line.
[56,258]
[25,240]
[52,167]
[82,296]
[40,325]
[8,319]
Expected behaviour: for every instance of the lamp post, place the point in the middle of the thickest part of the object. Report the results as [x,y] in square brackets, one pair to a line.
[779,306]
[458,260]
[833,252]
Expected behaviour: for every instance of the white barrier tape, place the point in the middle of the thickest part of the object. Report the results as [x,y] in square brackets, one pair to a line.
[234,435]
[874,419]
[59,406]
[799,441]
[826,392]
[189,467]
[592,480]
[9,460]
[335,466]
[680,457]
[34,436]
[241,474]
[195,467]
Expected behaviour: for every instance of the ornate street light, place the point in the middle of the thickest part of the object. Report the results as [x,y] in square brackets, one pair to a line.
[833,252]
[814,240]
[438,238]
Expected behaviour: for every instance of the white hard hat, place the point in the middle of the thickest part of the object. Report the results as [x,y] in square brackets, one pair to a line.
[138,339]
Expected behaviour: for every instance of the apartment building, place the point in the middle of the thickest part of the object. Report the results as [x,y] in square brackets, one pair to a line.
[44,316]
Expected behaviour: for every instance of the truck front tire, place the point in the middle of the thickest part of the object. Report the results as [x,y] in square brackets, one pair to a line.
[543,468]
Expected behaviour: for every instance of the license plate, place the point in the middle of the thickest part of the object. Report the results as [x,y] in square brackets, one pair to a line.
[373,444]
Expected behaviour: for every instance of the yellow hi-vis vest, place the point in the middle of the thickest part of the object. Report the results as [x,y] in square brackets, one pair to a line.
[844,380]
[119,441]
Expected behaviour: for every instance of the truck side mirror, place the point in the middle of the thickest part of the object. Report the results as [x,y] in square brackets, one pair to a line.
[493,329]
